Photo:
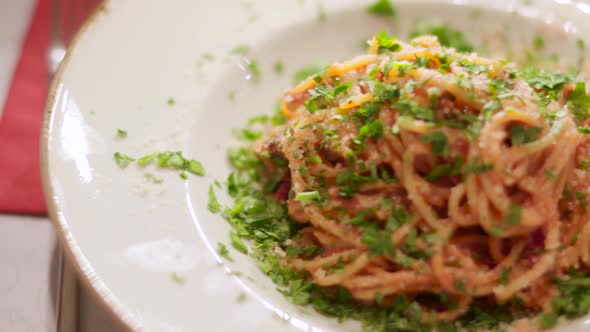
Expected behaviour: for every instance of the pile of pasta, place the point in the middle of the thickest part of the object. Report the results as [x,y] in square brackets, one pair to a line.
[416,170]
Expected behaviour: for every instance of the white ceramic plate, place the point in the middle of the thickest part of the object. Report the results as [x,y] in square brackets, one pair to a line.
[129,236]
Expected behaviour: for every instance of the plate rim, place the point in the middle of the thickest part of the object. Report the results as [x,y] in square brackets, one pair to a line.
[84,271]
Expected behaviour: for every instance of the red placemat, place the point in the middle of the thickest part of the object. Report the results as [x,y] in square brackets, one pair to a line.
[20,125]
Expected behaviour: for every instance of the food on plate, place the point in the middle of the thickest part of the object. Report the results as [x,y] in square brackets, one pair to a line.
[416,188]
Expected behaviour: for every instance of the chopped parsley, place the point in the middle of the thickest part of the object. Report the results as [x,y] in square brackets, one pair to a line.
[543,79]
[121,133]
[308,196]
[254,71]
[278,67]
[446,169]
[550,175]
[513,216]
[238,243]
[171,102]
[242,49]
[153,178]
[520,135]
[438,143]
[177,279]
[579,102]
[242,298]
[382,8]
[460,286]
[168,159]
[538,42]
[231,95]
[123,160]
[223,252]
[213,204]
[504,276]
[387,43]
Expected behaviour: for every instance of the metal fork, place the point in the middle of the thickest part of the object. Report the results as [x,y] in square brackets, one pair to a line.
[67,17]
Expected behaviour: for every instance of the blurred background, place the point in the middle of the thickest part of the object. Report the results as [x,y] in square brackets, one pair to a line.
[38,290]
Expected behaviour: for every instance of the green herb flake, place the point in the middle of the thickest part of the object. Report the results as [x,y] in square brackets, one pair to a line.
[171,102]
[307,196]
[547,320]
[223,252]
[438,143]
[538,42]
[254,70]
[231,95]
[550,175]
[579,102]
[460,286]
[386,42]
[122,160]
[513,216]
[382,8]
[241,50]
[520,135]
[177,279]
[238,243]
[496,231]
[241,298]
[504,276]
[213,204]
[153,178]
[121,133]
[279,67]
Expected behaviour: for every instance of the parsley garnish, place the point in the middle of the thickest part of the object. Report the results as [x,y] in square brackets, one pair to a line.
[460,286]
[308,196]
[241,298]
[254,70]
[382,8]
[550,175]
[504,276]
[520,135]
[240,50]
[173,160]
[237,243]
[373,130]
[438,143]
[543,79]
[278,67]
[579,102]
[446,169]
[123,160]
[213,204]
[153,179]
[121,133]
[385,92]
[513,216]
[171,102]
[387,43]
[177,279]
[223,252]
[539,42]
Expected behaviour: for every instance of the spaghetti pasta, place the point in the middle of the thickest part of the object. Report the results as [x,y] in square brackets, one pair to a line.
[416,171]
